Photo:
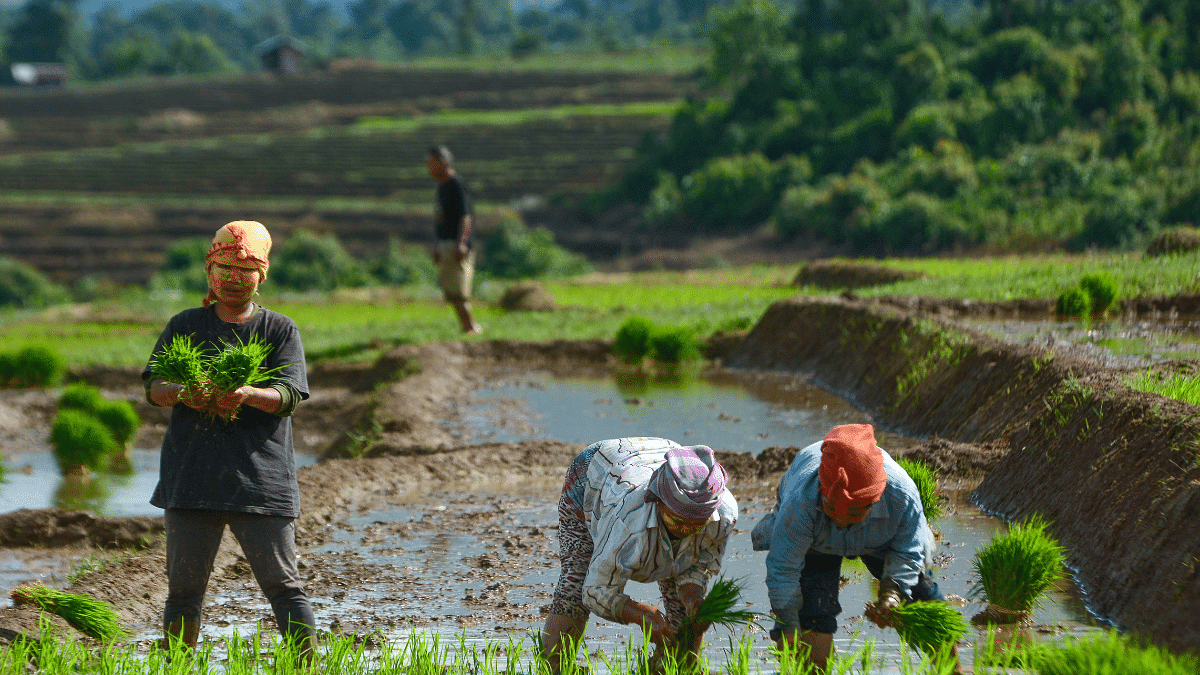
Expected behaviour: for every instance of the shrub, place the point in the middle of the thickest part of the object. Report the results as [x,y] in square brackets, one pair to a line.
[1174,241]
[674,344]
[918,222]
[513,250]
[23,286]
[35,366]
[731,192]
[1119,216]
[402,265]
[925,478]
[307,261]
[927,124]
[1015,568]
[633,338]
[1101,289]
[183,268]
[80,440]
[1073,302]
[527,42]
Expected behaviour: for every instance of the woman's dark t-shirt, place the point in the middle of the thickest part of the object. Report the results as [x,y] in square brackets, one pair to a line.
[245,465]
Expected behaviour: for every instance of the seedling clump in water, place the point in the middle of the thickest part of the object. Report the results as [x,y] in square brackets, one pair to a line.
[717,608]
[1014,569]
[926,479]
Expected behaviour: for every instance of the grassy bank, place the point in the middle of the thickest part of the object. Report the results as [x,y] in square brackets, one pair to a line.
[357,323]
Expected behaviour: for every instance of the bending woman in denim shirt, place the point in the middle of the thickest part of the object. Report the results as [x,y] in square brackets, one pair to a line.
[842,498]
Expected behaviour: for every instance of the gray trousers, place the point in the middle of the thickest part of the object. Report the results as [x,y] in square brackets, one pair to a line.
[269,544]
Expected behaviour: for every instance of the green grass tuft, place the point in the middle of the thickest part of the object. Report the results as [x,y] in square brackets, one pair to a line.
[1174,385]
[925,477]
[1073,302]
[89,616]
[180,362]
[1101,288]
[240,365]
[80,440]
[674,344]
[1108,653]
[929,626]
[1015,568]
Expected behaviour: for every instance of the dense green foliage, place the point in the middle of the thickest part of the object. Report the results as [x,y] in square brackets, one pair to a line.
[184,267]
[884,130]
[1073,302]
[1101,289]
[23,285]
[1016,567]
[172,37]
[512,250]
[674,344]
[31,366]
[80,440]
[308,261]
[925,477]
[402,265]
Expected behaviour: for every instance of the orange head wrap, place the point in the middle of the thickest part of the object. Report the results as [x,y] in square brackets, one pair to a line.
[239,243]
[851,472]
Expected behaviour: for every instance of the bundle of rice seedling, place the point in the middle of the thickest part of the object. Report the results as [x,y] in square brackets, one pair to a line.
[1014,569]
[239,365]
[926,479]
[928,626]
[716,608]
[89,616]
[181,362]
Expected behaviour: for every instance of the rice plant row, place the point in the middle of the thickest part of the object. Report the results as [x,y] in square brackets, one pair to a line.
[420,653]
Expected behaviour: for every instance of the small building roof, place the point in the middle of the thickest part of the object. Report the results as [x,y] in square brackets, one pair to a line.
[281,40]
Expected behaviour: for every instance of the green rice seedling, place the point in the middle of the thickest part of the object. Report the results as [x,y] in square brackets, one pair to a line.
[89,616]
[37,366]
[1174,385]
[1073,302]
[8,368]
[633,338]
[1101,289]
[121,418]
[674,344]
[1107,653]
[181,362]
[717,608]
[929,626]
[80,441]
[1015,568]
[80,397]
[240,365]
[925,477]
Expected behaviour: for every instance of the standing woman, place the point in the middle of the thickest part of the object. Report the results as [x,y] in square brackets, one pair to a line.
[240,473]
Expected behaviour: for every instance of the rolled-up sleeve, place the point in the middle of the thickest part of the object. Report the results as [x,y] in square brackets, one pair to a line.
[905,557]
[604,586]
[791,540]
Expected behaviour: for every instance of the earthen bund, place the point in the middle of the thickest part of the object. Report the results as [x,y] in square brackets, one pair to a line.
[1115,471]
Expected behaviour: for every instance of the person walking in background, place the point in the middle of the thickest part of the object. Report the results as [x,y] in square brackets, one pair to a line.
[452,225]
[240,473]
[640,509]
[842,497]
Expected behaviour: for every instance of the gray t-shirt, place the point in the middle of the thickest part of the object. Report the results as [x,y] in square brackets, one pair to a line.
[246,465]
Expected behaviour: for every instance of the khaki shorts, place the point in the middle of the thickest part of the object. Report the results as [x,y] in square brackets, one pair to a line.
[454,275]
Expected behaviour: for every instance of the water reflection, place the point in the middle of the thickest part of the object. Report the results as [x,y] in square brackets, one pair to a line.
[82,493]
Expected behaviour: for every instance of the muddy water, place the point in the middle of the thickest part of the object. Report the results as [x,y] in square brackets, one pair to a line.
[480,559]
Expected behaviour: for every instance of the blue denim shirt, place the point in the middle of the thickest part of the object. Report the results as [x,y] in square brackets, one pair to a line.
[894,529]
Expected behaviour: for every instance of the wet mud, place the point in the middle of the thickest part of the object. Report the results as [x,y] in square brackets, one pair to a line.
[1037,431]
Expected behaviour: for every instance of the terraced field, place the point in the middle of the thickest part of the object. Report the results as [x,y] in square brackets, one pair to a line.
[101,181]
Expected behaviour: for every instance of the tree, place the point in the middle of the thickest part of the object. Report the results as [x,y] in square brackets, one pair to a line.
[42,33]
